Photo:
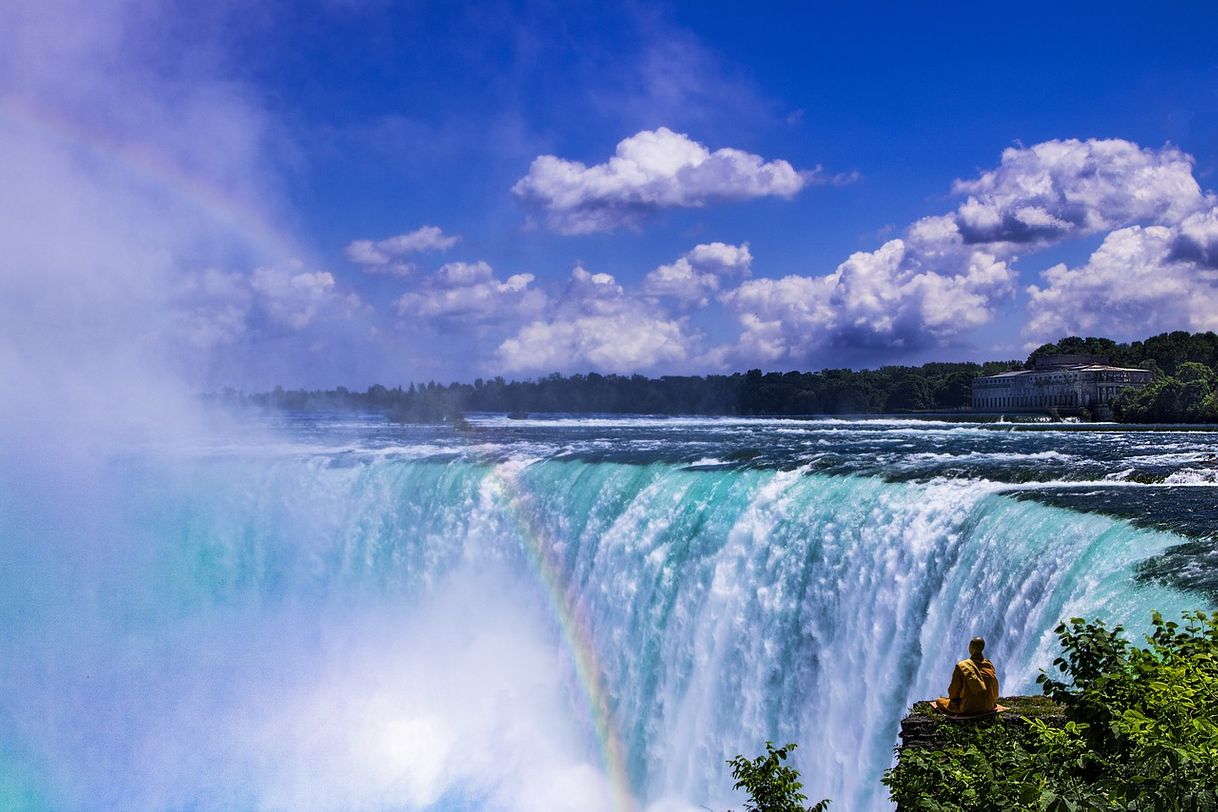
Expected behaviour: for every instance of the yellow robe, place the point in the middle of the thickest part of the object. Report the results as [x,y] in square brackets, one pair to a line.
[974,689]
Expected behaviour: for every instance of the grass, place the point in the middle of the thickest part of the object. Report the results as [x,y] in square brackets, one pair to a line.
[1033,707]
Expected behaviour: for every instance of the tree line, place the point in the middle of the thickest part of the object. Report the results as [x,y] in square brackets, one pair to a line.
[937,386]
[1185,388]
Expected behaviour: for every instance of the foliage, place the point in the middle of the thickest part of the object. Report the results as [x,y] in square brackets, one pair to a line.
[1186,390]
[911,392]
[1164,352]
[772,786]
[942,386]
[1152,711]
[1141,732]
[996,766]
[1188,396]
[1074,345]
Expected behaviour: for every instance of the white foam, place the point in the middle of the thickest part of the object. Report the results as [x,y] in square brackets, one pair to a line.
[1193,476]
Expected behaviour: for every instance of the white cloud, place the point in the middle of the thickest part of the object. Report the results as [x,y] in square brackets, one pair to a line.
[598,325]
[892,297]
[387,256]
[455,274]
[945,276]
[693,278]
[213,308]
[592,293]
[780,317]
[294,298]
[470,291]
[626,342]
[1196,239]
[1139,281]
[1061,188]
[650,170]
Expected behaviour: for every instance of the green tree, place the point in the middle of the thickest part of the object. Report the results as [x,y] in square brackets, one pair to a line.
[1190,371]
[956,390]
[911,392]
[1209,409]
[1074,345]
[772,785]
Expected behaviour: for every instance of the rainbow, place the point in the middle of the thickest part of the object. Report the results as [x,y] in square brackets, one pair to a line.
[139,161]
[229,211]
[576,637]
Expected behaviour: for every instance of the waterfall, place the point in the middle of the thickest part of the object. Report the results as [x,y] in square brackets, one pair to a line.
[520,633]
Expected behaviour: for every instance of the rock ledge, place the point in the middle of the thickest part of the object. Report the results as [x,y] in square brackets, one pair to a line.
[921,728]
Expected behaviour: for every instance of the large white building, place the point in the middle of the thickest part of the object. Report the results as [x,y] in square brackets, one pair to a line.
[1065,383]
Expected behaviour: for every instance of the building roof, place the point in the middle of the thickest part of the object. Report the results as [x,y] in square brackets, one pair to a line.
[1108,368]
[1065,367]
[1050,361]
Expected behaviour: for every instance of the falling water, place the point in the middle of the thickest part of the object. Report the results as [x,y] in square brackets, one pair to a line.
[572,615]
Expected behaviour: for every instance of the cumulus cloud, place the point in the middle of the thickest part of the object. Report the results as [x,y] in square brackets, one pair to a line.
[889,298]
[456,274]
[1196,239]
[470,292]
[695,277]
[591,293]
[213,308]
[598,325]
[1142,279]
[946,274]
[650,170]
[387,256]
[1061,188]
[293,297]
[622,343]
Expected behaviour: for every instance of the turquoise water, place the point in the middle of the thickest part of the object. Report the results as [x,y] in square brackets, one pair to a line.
[335,612]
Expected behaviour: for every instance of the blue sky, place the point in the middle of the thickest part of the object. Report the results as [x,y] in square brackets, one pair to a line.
[895,182]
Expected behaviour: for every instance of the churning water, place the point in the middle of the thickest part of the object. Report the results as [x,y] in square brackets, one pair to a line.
[553,614]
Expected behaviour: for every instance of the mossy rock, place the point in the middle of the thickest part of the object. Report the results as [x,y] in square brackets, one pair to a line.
[921,728]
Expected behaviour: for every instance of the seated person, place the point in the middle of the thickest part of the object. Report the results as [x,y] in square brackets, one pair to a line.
[974,688]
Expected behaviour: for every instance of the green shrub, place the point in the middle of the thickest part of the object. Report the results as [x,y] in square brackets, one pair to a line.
[772,786]
[1141,732]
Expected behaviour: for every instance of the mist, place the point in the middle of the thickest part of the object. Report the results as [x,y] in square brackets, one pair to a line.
[125,291]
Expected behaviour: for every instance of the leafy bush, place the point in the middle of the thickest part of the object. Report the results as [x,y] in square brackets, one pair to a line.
[772,786]
[1190,399]
[1141,732]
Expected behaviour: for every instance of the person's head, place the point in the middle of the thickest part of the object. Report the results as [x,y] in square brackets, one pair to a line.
[976,646]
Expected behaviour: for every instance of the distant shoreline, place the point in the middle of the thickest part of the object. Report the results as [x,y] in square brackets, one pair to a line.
[1184,390]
